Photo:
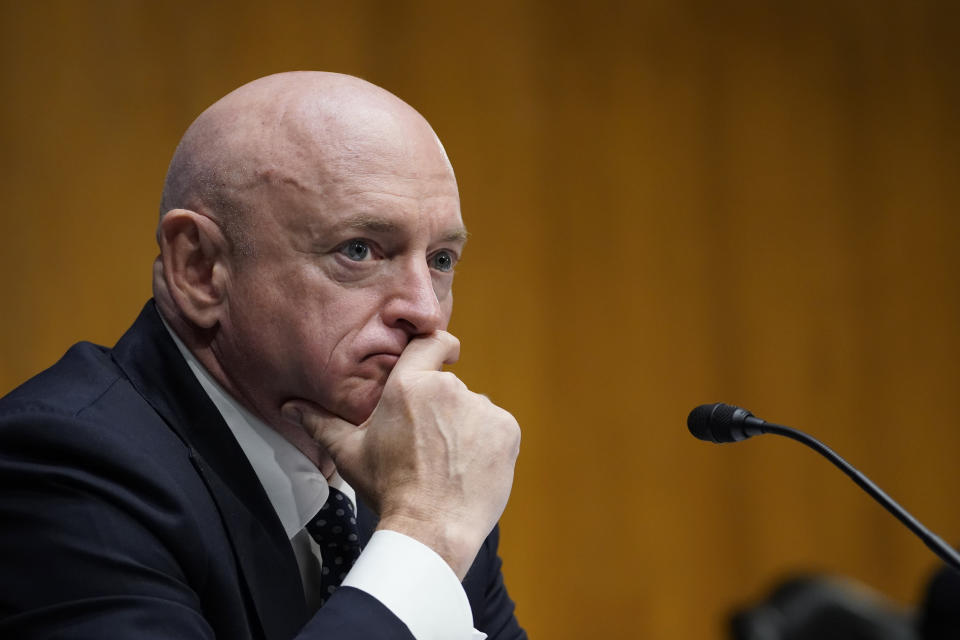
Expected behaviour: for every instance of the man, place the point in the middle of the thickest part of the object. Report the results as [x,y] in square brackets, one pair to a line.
[177,485]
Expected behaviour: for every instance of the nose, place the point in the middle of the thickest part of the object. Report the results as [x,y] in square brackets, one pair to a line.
[412,303]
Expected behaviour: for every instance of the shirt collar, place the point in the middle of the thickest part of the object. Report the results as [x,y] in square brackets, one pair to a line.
[294,485]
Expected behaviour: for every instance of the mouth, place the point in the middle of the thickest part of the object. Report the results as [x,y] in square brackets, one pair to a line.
[385,359]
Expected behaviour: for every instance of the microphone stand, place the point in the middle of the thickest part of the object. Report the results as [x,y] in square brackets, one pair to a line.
[946,553]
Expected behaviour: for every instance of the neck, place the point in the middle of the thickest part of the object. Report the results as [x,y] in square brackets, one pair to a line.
[201,347]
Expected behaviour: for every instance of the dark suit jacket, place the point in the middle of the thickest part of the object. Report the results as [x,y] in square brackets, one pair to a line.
[128,510]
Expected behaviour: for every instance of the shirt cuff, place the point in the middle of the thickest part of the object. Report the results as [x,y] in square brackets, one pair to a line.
[416,584]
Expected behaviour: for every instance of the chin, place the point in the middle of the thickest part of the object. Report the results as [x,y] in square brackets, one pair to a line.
[357,415]
[358,408]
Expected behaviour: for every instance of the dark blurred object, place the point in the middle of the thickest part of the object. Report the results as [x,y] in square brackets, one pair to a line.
[939,615]
[822,608]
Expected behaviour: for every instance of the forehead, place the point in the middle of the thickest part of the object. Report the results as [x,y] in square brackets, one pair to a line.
[368,197]
[389,204]
[377,170]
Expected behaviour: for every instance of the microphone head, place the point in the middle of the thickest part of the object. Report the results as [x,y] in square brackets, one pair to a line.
[719,422]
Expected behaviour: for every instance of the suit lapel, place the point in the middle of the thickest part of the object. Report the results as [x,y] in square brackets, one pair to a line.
[148,356]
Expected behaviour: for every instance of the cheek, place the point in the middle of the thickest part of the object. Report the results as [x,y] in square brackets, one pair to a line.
[329,325]
[319,341]
[443,288]
[447,306]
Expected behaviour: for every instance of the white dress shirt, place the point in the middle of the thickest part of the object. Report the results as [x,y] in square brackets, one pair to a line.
[408,577]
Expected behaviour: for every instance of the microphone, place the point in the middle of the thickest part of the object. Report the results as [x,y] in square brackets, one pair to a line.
[721,423]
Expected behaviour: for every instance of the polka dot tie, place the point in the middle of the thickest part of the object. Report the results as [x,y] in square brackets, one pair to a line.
[334,529]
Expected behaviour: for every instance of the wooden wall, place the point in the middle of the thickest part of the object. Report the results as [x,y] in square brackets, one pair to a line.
[671,202]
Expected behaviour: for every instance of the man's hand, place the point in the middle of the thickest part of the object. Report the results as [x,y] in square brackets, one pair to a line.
[434,459]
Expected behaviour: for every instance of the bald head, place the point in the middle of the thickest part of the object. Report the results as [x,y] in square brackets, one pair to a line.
[300,129]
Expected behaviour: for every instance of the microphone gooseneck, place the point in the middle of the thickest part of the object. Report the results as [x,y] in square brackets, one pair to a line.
[721,423]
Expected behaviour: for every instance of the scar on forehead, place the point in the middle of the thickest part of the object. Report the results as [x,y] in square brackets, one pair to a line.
[375,224]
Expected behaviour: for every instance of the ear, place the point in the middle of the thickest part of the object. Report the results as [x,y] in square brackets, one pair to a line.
[194,253]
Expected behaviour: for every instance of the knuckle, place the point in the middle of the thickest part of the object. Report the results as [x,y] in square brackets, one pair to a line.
[454,341]
[406,382]
[513,430]
[507,429]
[449,380]
[399,382]
[447,339]
[412,383]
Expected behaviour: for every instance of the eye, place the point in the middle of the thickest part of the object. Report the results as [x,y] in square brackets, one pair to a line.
[442,261]
[356,250]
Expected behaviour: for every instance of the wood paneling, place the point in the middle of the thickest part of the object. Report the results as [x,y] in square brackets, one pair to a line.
[671,203]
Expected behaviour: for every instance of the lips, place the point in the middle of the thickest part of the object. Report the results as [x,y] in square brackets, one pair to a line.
[383,354]
[382,358]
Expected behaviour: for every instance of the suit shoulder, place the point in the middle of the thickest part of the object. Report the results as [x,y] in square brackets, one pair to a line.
[79,379]
[84,403]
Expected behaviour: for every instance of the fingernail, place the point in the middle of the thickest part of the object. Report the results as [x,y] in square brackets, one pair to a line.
[292,414]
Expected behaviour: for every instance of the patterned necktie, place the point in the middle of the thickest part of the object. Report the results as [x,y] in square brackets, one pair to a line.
[334,529]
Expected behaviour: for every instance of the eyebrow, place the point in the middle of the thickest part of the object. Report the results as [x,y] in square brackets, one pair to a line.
[374,224]
[371,223]
[457,235]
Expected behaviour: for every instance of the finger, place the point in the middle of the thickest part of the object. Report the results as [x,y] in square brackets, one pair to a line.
[429,353]
[328,430]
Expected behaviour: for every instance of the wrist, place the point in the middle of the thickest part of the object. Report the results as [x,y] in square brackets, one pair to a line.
[456,544]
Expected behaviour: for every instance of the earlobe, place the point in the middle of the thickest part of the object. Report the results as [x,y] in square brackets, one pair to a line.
[193,250]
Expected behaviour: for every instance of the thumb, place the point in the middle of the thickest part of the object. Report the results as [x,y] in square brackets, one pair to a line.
[331,432]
